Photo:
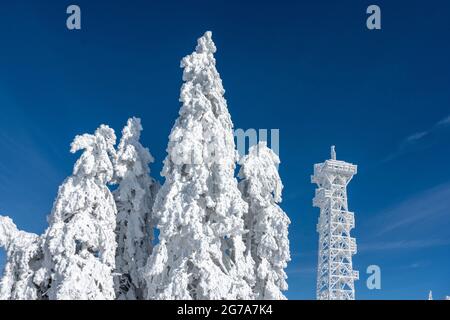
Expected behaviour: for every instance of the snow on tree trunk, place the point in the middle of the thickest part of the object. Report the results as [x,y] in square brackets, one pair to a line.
[24,258]
[79,244]
[268,224]
[134,199]
[199,207]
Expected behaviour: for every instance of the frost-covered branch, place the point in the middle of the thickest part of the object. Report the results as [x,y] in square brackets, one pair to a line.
[23,259]
[79,245]
[134,199]
[199,208]
[267,240]
[8,231]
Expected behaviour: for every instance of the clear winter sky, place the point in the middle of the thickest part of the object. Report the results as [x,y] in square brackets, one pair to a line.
[309,68]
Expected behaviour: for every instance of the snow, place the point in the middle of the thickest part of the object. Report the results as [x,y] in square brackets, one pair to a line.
[23,259]
[79,245]
[217,239]
[267,240]
[135,223]
[199,207]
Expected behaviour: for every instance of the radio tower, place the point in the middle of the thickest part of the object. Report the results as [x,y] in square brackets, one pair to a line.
[335,274]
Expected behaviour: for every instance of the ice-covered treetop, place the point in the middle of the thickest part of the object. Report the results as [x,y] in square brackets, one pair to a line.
[131,133]
[95,161]
[10,234]
[203,134]
[200,75]
[259,169]
[8,230]
[131,155]
[206,44]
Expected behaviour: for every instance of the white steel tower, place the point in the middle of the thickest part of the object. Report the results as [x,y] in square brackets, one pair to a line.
[335,274]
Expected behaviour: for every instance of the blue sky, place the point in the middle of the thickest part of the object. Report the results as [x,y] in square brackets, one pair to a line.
[308,68]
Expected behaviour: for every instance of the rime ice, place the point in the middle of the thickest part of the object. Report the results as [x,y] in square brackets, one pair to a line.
[335,278]
[24,258]
[267,240]
[135,223]
[79,245]
[201,254]
[217,240]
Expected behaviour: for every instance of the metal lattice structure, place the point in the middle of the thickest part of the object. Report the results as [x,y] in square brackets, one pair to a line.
[335,274]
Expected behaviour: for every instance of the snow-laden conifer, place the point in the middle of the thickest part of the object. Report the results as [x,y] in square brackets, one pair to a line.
[268,224]
[134,199]
[199,207]
[23,259]
[79,244]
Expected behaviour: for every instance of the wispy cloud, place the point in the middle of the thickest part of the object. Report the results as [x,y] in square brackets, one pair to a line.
[418,264]
[414,265]
[418,222]
[402,245]
[417,137]
[444,122]
[428,207]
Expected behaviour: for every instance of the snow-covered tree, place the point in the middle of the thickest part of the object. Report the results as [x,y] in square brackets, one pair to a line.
[134,199]
[199,208]
[267,239]
[79,245]
[24,258]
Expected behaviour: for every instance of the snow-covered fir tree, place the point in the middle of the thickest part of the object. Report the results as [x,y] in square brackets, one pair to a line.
[267,240]
[79,245]
[23,259]
[201,254]
[134,199]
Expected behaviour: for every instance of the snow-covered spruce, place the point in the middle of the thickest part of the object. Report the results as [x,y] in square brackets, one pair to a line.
[24,258]
[79,245]
[199,207]
[268,224]
[134,199]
